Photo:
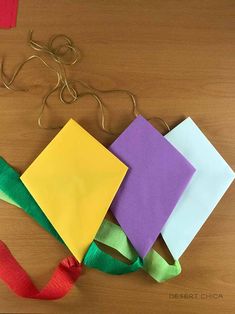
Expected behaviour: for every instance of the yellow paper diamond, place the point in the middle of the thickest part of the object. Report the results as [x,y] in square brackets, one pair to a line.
[74,181]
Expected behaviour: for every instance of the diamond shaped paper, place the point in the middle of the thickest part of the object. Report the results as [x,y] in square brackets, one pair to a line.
[210,182]
[74,181]
[157,176]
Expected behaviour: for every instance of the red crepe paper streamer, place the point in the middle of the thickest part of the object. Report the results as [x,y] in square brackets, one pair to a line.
[8,13]
[62,280]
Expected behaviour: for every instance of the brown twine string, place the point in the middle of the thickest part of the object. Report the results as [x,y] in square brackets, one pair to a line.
[65,54]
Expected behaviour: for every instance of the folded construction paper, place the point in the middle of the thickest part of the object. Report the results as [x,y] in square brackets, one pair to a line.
[8,13]
[156,179]
[211,180]
[16,278]
[13,191]
[74,181]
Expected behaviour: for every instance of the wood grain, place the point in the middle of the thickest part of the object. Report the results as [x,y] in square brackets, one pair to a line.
[178,57]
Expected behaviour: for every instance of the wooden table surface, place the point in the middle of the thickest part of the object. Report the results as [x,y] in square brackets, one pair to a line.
[178,57]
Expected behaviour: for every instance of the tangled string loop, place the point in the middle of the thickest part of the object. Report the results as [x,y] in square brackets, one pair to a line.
[62,51]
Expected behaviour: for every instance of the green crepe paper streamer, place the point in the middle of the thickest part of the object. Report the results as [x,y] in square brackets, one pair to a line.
[95,257]
[7,199]
[12,188]
[13,191]
[113,236]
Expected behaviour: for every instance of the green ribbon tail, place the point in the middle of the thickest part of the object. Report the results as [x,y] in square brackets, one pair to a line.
[14,191]
[96,258]
[154,264]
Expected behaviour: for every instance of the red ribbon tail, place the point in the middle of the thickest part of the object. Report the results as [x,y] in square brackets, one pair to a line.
[16,278]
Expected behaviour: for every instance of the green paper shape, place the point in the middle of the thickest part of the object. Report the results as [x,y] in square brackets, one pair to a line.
[113,236]
[12,188]
[96,258]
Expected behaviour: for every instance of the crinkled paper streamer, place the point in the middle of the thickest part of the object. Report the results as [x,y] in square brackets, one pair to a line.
[62,280]
[112,235]
[13,191]
[12,188]
[8,13]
